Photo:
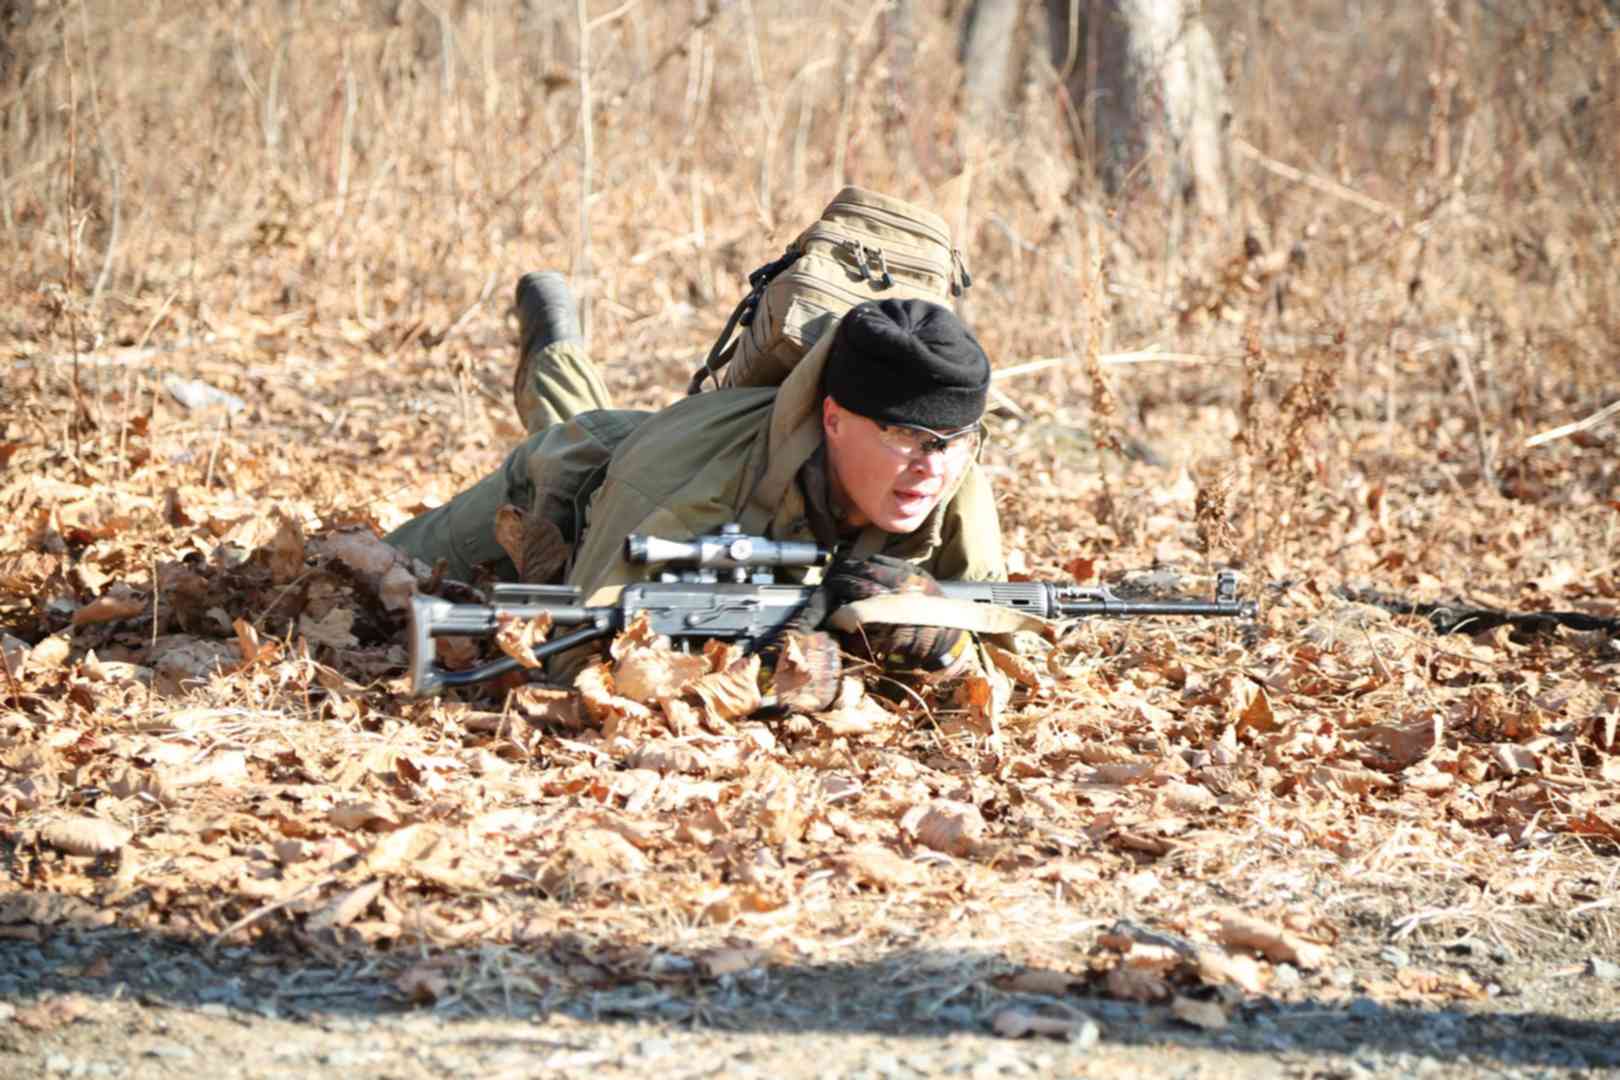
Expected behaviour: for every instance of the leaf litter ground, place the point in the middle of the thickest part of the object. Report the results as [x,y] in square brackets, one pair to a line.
[1329,821]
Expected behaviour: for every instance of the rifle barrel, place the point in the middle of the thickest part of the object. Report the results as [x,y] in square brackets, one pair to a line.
[1115,607]
[1057,600]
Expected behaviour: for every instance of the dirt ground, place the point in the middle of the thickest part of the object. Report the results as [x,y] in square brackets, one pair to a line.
[128,1006]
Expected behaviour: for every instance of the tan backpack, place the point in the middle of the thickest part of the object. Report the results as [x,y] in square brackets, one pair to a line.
[866,246]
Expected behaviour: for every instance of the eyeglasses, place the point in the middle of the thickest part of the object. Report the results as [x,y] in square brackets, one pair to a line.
[918,442]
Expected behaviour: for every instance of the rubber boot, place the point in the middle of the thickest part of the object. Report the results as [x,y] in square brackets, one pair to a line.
[546,312]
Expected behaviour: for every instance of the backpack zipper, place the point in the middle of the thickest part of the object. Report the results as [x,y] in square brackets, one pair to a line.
[899,221]
[868,259]
[963,282]
[958,277]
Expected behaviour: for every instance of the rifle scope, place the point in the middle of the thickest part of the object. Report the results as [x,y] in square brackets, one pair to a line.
[729,549]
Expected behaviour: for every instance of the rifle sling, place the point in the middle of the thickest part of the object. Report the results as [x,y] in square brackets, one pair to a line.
[915,609]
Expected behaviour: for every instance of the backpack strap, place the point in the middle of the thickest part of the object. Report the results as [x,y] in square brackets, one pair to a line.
[724,347]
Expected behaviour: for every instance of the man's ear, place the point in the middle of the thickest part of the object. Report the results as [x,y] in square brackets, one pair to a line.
[830,418]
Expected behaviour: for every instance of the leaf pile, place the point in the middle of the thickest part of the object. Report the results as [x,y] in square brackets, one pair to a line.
[230,755]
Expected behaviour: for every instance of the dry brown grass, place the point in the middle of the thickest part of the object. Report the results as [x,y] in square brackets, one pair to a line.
[320,209]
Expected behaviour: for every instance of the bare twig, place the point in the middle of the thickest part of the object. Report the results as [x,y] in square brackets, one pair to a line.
[587,153]
[1327,187]
[623,9]
[1150,355]
[468,312]
[1608,412]
[1471,385]
[275,905]
[113,170]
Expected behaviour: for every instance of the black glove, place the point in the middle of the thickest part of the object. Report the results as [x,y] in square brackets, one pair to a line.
[894,646]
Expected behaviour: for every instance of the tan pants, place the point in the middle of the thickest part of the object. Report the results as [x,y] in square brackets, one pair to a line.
[560,397]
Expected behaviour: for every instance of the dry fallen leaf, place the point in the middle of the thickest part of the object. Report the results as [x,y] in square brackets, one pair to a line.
[49,653]
[881,868]
[729,961]
[369,815]
[362,551]
[1435,985]
[981,699]
[730,694]
[1187,798]
[1014,666]
[698,756]
[1349,778]
[1015,1023]
[284,553]
[1270,940]
[1515,759]
[1135,984]
[86,836]
[1149,956]
[1208,1015]
[334,629]
[549,705]
[52,1014]
[639,634]
[1216,967]
[855,712]
[1404,745]
[1040,981]
[606,709]
[109,608]
[952,827]
[646,673]
[345,907]
[1252,706]
[249,645]
[183,663]
[425,982]
[13,654]
[806,670]
[396,851]
[592,859]
[1430,783]
[517,637]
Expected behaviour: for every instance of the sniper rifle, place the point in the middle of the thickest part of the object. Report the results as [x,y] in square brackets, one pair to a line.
[724,586]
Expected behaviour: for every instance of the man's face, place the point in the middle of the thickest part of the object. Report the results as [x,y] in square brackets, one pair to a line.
[890,476]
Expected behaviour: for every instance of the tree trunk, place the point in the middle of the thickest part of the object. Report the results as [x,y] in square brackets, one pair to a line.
[1145,81]
[986,51]
[15,15]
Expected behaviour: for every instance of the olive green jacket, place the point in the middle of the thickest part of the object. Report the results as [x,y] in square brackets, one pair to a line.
[733,455]
[594,475]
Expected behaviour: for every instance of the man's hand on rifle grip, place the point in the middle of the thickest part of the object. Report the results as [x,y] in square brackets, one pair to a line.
[936,651]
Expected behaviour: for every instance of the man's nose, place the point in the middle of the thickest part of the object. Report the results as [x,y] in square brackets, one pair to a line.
[929,464]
